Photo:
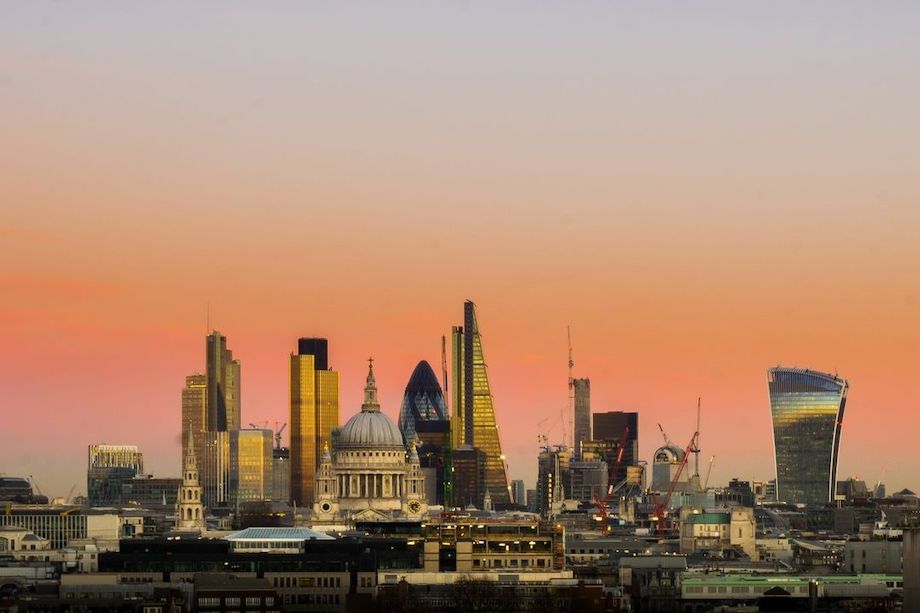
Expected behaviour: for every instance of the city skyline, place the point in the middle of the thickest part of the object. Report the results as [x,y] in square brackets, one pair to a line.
[700,195]
[554,423]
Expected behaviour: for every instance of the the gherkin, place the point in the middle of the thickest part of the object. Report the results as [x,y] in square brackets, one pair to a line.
[423,401]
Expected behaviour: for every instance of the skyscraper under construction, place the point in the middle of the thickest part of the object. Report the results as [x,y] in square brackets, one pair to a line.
[473,421]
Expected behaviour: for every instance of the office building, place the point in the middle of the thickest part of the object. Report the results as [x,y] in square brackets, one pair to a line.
[587,481]
[611,426]
[108,468]
[223,380]
[214,472]
[474,412]
[194,412]
[250,465]
[148,491]
[469,466]
[582,413]
[552,474]
[807,409]
[314,414]
[518,492]
[281,474]
[423,401]
[423,420]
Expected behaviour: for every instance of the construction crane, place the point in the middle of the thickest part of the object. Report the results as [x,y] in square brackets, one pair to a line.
[69,498]
[568,332]
[661,506]
[278,432]
[664,435]
[35,485]
[696,445]
[708,473]
[611,486]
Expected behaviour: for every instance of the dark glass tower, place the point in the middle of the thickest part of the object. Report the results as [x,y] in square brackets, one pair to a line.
[423,401]
[807,408]
[423,420]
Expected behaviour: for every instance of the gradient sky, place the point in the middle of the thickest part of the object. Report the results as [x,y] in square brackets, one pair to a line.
[701,190]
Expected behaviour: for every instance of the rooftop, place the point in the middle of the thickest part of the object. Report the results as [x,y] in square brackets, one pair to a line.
[278,534]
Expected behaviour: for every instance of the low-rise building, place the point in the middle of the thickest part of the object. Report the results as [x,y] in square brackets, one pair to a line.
[713,532]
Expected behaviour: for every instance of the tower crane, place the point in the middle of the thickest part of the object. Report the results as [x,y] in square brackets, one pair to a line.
[661,506]
[708,473]
[568,332]
[278,434]
[611,487]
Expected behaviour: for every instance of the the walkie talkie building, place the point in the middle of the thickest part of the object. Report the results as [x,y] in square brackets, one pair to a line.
[807,409]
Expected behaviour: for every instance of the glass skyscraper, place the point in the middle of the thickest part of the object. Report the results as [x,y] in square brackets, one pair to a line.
[807,408]
[314,414]
[250,465]
[474,411]
[423,401]
[223,379]
[582,413]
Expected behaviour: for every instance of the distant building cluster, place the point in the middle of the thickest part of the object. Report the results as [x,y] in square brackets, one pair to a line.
[420,514]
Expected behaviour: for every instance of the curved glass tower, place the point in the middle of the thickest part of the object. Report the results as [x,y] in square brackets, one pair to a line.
[423,401]
[807,408]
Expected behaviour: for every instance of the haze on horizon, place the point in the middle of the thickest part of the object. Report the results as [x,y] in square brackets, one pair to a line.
[701,192]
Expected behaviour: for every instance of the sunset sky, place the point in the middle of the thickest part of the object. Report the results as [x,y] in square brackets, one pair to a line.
[701,190]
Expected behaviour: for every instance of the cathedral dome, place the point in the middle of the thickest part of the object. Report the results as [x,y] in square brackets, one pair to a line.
[367,429]
[370,428]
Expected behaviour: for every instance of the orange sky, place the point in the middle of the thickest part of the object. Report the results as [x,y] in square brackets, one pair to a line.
[701,195]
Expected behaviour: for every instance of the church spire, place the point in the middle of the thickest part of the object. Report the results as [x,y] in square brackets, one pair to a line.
[370,390]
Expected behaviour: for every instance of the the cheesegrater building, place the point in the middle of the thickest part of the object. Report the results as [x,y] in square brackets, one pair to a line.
[473,422]
[807,409]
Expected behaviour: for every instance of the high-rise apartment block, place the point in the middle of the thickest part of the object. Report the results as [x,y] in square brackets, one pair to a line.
[314,414]
[473,422]
[582,413]
[807,409]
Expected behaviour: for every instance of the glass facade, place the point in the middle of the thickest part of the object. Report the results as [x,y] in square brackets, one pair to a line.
[582,413]
[807,409]
[194,413]
[480,429]
[251,465]
[109,467]
[314,415]
[223,380]
[422,401]
[215,469]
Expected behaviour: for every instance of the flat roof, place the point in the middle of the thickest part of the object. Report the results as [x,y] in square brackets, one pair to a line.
[278,534]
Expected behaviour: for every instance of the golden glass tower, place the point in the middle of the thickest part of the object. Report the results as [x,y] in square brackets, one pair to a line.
[314,414]
[194,413]
[223,379]
[474,412]
[250,465]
